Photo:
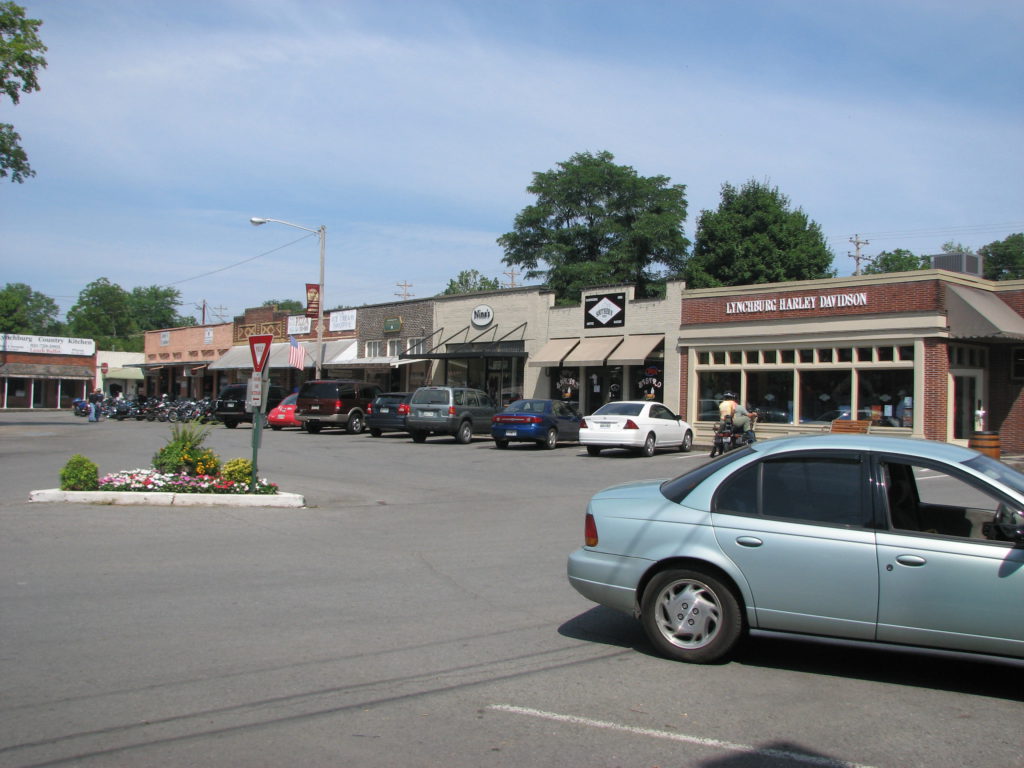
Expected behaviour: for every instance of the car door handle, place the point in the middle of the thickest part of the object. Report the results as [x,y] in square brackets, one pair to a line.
[910,560]
[748,541]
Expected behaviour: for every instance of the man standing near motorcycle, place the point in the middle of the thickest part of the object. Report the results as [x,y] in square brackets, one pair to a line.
[95,399]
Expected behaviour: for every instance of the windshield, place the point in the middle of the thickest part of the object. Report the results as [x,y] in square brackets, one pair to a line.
[619,409]
[996,470]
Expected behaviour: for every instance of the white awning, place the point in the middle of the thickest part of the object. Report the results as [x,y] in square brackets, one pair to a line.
[240,358]
[976,314]
[552,353]
[125,374]
[236,357]
[635,350]
[592,351]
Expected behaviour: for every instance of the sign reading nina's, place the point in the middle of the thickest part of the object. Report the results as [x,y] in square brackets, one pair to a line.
[790,303]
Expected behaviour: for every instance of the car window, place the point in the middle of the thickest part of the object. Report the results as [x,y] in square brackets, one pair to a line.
[430,397]
[814,489]
[471,399]
[738,494]
[485,400]
[659,411]
[459,396]
[319,389]
[678,488]
[619,409]
[924,498]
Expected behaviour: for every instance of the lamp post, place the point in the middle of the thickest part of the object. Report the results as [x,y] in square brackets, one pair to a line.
[321,233]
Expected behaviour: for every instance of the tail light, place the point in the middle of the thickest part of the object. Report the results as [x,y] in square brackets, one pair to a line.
[630,424]
[369,409]
[583,424]
[451,410]
[590,531]
[338,406]
[503,418]
[403,409]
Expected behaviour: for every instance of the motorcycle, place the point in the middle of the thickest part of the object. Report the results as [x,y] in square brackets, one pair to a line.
[80,406]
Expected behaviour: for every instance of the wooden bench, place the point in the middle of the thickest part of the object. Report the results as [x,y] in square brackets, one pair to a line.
[850,427]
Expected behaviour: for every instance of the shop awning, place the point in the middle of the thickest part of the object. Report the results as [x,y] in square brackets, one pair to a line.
[45,371]
[553,352]
[977,314]
[125,374]
[236,357]
[635,350]
[240,358]
[593,351]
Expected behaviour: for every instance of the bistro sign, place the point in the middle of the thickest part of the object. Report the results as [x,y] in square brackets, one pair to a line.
[46,345]
[789,303]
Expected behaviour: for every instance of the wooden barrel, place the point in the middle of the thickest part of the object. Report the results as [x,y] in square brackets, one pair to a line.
[985,442]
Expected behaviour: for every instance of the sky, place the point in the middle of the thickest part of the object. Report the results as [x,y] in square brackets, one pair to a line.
[411,129]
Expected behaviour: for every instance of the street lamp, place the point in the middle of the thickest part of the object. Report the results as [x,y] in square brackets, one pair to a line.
[322,234]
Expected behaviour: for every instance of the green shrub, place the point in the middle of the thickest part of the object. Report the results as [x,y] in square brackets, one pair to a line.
[237,470]
[79,474]
[184,452]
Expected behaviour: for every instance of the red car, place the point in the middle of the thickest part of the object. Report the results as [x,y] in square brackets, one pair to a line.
[283,414]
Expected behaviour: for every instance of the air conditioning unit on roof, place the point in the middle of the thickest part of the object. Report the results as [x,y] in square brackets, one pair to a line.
[968,263]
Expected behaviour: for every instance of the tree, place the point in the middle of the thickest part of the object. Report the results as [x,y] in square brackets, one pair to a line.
[1004,259]
[286,305]
[23,310]
[469,281]
[595,222]
[21,56]
[156,306]
[754,237]
[900,260]
[103,312]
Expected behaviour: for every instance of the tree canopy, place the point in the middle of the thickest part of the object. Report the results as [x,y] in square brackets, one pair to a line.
[23,310]
[596,223]
[1004,259]
[21,56]
[155,306]
[754,237]
[286,305]
[116,318]
[470,281]
[899,260]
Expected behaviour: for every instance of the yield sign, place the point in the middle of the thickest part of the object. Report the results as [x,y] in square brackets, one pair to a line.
[259,346]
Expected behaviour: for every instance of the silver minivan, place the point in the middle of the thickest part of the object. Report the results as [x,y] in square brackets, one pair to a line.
[457,411]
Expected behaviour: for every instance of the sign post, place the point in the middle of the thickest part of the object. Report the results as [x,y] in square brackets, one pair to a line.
[259,347]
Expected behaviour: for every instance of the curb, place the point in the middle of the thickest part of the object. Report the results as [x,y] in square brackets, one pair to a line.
[133,498]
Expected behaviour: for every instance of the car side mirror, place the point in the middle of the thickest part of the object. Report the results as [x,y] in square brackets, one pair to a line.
[1007,525]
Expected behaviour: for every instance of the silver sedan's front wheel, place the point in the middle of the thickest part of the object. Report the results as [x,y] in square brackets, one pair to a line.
[691,616]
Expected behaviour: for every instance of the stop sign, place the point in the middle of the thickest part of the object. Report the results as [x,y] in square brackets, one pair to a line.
[104,367]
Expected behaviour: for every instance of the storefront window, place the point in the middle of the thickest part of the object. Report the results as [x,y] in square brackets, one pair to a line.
[771,395]
[565,386]
[649,380]
[885,398]
[824,395]
[711,386]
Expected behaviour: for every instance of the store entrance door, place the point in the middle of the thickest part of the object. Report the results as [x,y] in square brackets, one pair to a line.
[968,398]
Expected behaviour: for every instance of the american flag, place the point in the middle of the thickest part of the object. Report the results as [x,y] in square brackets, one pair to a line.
[296,354]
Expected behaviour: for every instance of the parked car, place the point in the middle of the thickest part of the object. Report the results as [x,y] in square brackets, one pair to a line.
[387,412]
[335,403]
[544,422]
[862,537]
[230,405]
[284,414]
[640,425]
[457,411]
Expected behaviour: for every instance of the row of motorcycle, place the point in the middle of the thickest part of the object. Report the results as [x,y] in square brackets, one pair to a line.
[150,409]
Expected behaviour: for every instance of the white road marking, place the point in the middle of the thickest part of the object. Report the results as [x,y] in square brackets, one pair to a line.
[828,762]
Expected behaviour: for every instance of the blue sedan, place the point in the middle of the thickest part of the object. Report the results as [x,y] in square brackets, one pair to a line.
[544,422]
[861,537]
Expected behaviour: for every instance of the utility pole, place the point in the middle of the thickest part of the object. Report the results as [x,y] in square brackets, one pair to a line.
[202,308]
[405,286]
[511,274]
[857,257]
[218,312]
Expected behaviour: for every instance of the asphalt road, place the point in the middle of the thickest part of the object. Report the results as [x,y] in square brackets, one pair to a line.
[415,614]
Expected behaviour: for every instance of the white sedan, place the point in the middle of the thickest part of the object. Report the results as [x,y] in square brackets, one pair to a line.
[641,425]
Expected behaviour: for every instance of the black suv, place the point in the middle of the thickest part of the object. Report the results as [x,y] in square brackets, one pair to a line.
[335,403]
[387,413]
[230,405]
[457,411]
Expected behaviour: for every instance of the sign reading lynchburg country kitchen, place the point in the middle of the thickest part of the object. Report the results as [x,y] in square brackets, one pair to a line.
[607,310]
[46,345]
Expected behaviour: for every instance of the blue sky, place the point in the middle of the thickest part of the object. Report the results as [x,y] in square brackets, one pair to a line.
[411,128]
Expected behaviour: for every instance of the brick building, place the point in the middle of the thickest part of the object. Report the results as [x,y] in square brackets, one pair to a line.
[930,354]
[44,371]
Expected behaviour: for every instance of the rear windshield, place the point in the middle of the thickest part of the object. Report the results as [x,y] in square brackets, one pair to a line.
[619,409]
[430,396]
[527,406]
[319,389]
[391,399]
[233,392]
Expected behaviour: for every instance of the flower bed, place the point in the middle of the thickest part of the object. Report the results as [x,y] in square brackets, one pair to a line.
[149,480]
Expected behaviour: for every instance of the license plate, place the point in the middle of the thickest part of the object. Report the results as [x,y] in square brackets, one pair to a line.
[314,407]
[385,410]
[604,426]
[510,433]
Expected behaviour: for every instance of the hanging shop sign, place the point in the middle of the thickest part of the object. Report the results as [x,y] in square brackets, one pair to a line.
[312,299]
[607,310]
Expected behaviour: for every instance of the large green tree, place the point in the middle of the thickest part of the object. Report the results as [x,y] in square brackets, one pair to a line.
[596,223]
[23,310]
[286,305]
[469,281]
[1004,259]
[21,56]
[156,306]
[755,237]
[103,312]
[899,260]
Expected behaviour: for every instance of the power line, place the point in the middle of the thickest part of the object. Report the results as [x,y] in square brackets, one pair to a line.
[243,261]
